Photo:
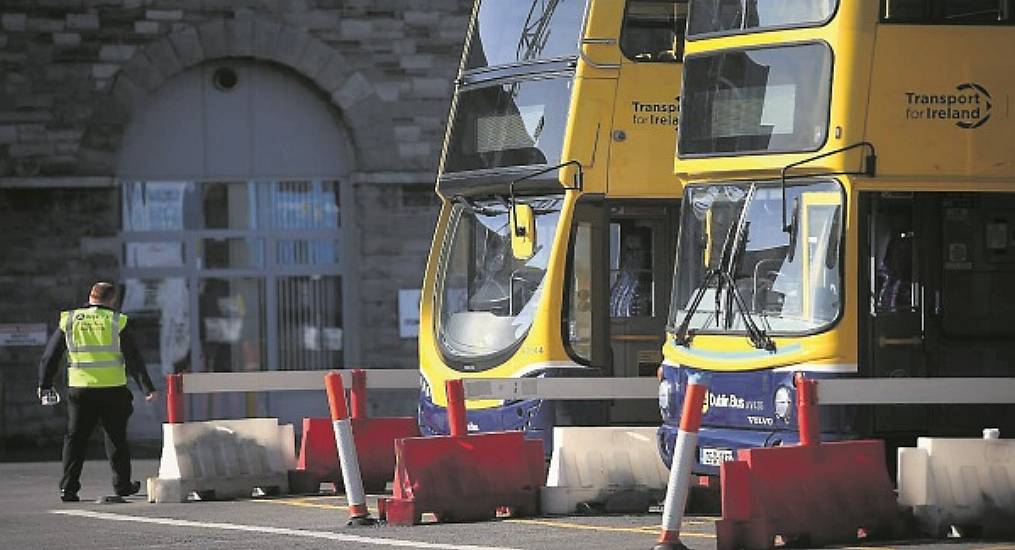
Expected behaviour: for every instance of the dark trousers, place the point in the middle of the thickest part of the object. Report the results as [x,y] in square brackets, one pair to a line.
[87,407]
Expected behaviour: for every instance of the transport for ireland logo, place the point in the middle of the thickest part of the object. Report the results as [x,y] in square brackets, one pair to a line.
[968,106]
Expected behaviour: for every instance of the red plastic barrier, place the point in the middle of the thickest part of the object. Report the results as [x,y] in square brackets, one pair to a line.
[464,477]
[318,462]
[810,494]
[375,444]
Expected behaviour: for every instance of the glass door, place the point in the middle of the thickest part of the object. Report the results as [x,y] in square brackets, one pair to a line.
[234,276]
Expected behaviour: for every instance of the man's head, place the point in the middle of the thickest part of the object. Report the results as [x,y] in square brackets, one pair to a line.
[103,294]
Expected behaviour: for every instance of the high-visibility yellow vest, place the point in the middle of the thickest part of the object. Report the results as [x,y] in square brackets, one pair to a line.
[93,347]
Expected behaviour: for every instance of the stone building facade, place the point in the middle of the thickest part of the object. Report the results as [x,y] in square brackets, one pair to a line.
[81,80]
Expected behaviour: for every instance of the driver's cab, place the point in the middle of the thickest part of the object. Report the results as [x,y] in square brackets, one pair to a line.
[753,253]
[620,264]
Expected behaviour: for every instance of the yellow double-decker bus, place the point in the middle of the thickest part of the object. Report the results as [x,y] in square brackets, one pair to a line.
[849,211]
[554,247]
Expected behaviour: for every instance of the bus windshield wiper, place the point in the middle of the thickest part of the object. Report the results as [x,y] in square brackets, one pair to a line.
[683,335]
[759,338]
[723,275]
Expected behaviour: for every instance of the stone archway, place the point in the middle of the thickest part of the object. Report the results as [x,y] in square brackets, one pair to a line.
[364,113]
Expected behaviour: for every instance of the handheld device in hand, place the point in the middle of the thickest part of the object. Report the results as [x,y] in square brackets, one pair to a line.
[49,397]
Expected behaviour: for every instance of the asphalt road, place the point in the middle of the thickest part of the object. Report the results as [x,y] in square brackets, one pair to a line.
[32,516]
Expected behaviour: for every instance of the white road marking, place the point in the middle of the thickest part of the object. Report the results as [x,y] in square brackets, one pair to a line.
[327,535]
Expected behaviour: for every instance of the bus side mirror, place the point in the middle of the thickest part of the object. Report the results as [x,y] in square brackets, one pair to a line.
[523,231]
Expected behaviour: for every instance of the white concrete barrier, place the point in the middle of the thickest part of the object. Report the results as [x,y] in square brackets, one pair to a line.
[616,467]
[223,459]
[965,483]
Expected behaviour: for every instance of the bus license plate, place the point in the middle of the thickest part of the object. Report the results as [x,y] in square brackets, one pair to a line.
[714,457]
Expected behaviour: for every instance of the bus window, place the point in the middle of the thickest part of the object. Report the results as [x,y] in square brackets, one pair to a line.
[654,30]
[488,297]
[948,12]
[771,99]
[630,269]
[579,327]
[893,253]
[972,11]
[906,10]
[731,16]
[790,280]
[508,124]
[509,31]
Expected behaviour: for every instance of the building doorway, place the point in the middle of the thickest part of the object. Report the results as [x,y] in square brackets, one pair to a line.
[232,258]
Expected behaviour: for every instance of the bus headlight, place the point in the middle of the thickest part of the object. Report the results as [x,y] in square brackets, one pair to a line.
[665,398]
[783,402]
[424,388]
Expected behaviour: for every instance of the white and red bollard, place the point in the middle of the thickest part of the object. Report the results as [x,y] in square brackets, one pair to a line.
[808,419]
[683,459]
[175,409]
[358,512]
[457,419]
[358,394]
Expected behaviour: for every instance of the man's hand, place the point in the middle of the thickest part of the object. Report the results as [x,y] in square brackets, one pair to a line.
[150,396]
[47,396]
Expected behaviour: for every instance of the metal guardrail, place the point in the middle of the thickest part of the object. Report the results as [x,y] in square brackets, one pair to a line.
[221,382]
[831,391]
[915,391]
[561,388]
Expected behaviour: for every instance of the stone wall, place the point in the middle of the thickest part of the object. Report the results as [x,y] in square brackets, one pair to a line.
[49,262]
[394,257]
[72,73]
[73,70]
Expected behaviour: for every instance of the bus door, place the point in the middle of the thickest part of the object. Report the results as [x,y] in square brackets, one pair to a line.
[896,346]
[971,303]
[643,139]
[641,239]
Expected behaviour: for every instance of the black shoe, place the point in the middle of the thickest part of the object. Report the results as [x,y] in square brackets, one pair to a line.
[131,489]
[69,497]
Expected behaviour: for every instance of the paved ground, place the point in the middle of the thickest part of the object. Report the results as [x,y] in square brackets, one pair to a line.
[32,516]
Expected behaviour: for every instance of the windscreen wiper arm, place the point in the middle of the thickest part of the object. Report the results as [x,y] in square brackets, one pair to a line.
[757,335]
[723,276]
[759,338]
[682,335]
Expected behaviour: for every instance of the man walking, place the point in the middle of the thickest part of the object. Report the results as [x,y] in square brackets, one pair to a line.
[100,352]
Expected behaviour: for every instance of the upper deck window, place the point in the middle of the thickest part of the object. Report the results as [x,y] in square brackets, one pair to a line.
[510,31]
[762,100]
[736,16]
[949,12]
[515,123]
[654,30]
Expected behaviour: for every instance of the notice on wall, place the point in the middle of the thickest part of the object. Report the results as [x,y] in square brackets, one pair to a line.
[23,334]
[408,313]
